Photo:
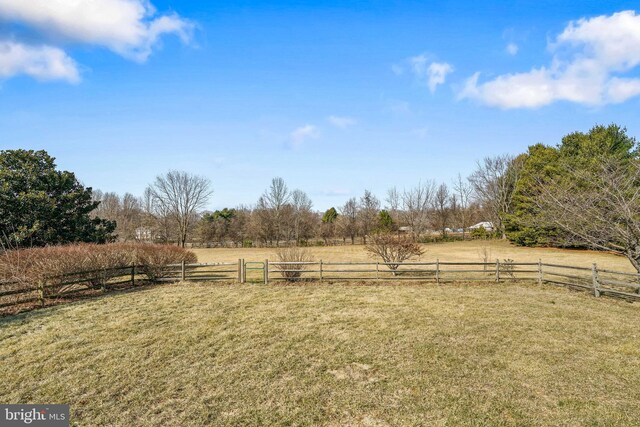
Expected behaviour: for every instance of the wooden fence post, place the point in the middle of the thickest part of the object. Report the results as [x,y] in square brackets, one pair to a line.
[377,271]
[540,278]
[320,271]
[239,270]
[41,285]
[266,271]
[244,272]
[497,270]
[594,277]
[437,270]
[183,271]
[103,280]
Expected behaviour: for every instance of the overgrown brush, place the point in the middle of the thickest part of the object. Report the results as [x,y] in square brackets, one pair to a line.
[90,264]
[154,260]
[295,259]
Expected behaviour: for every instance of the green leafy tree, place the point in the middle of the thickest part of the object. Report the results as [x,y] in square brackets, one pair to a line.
[40,205]
[578,151]
[385,221]
[216,226]
[330,216]
[328,224]
[522,225]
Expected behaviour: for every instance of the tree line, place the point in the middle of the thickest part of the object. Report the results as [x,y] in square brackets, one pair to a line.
[582,192]
[284,216]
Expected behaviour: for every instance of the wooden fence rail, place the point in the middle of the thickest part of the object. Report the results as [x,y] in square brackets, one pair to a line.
[598,281]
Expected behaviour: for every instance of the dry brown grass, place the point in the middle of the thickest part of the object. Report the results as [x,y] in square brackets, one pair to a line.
[453,251]
[192,355]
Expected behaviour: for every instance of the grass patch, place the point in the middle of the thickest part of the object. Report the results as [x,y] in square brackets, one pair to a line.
[468,251]
[490,354]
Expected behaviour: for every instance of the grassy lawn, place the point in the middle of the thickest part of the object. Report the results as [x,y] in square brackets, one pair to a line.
[468,251]
[490,354]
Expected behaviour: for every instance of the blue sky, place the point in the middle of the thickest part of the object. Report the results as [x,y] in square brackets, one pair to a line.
[334,97]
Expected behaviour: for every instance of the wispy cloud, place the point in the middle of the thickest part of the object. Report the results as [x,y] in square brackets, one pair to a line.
[426,72]
[398,70]
[513,38]
[437,74]
[512,49]
[334,192]
[590,58]
[341,122]
[302,134]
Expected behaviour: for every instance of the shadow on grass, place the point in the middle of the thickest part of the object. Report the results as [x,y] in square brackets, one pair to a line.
[19,311]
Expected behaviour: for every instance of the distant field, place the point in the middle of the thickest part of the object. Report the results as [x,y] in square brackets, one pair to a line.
[330,355]
[455,251]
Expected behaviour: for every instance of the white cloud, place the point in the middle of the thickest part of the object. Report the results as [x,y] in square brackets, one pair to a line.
[341,122]
[430,73]
[304,133]
[619,90]
[130,28]
[398,70]
[39,62]
[512,49]
[437,73]
[588,57]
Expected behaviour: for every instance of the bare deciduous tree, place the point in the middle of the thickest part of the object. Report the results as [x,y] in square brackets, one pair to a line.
[157,221]
[494,182]
[393,203]
[274,200]
[262,225]
[442,207]
[130,217]
[368,213]
[277,195]
[597,207]
[239,227]
[302,205]
[181,195]
[348,220]
[109,206]
[393,249]
[126,211]
[463,192]
[415,207]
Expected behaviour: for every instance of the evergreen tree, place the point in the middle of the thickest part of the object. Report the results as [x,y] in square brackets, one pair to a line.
[385,221]
[577,151]
[330,216]
[40,205]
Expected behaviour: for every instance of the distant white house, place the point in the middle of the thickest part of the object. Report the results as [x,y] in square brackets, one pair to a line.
[144,233]
[484,224]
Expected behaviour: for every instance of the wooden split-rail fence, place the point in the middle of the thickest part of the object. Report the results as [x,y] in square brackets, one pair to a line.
[593,279]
